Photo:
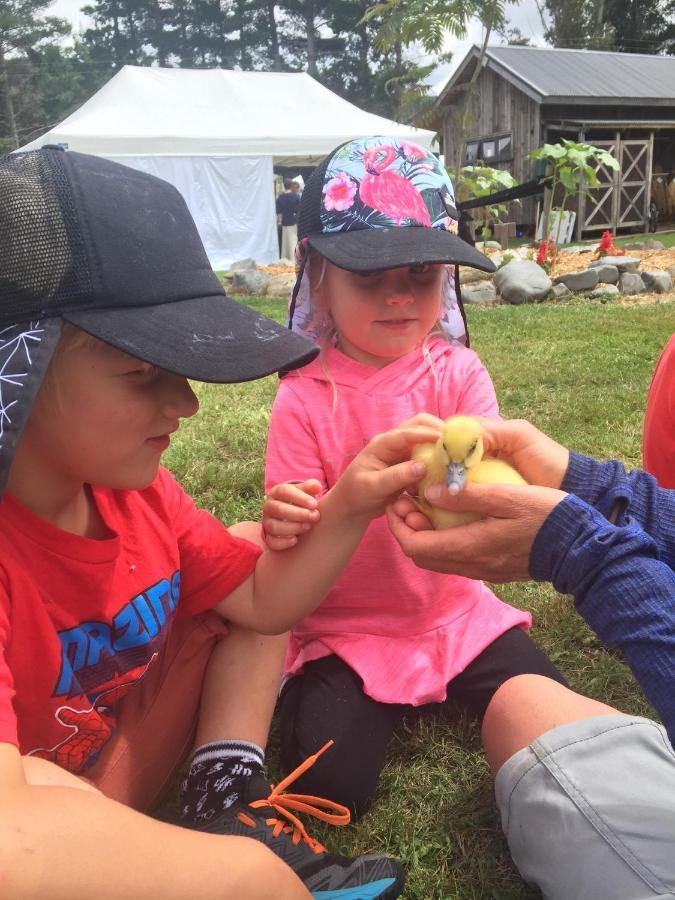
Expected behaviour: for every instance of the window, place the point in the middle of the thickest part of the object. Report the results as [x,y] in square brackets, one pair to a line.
[489,149]
[471,152]
[505,147]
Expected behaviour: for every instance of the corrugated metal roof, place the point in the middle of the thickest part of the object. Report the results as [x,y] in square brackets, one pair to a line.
[589,73]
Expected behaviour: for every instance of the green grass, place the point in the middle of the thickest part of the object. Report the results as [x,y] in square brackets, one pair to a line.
[580,371]
[667,238]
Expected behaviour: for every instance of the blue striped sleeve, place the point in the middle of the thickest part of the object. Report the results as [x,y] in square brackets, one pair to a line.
[621,587]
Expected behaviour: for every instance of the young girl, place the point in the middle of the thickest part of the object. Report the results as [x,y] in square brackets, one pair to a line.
[376,229]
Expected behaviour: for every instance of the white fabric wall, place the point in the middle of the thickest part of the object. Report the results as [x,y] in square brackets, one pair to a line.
[231,200]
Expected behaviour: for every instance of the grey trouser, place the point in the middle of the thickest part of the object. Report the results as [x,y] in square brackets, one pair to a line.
[589,810]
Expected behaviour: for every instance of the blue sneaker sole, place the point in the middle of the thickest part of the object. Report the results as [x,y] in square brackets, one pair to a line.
[376,890]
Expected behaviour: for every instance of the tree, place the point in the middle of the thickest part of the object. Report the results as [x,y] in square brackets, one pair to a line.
[579,24]
[640,26]
[429,21]
[22,28]
[628,26]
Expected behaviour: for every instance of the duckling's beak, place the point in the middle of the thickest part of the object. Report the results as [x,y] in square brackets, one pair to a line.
[455,477]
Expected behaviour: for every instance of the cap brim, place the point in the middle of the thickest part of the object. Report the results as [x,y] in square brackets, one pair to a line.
[212,339]
[375,249]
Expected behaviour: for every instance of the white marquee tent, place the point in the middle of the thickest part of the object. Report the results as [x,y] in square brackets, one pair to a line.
[216,134]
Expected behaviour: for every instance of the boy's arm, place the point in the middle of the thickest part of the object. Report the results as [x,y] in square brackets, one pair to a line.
[65,842]
[286,587]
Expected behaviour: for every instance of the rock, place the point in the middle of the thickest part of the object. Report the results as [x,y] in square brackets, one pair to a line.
[240,264]
[607,274]
[636,245]
[470,276]
[281,285]
[603,290]
[658,281]
[522,281]
[248,281]
[479,292]
[623,263]
[488,245]
[560,291]
[631,283]
[579,281]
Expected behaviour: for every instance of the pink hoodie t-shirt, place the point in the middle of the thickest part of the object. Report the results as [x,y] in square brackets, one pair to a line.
[406,631]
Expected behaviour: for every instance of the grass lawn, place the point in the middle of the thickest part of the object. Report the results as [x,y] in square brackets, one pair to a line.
[580,371]
[667,238]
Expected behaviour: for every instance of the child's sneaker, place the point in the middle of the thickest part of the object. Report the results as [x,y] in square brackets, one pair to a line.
[265,813]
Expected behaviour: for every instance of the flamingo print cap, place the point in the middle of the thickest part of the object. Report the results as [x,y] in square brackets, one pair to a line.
[378,203]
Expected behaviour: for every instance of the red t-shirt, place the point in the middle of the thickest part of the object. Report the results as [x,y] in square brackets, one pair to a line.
[82,620]
[658,440]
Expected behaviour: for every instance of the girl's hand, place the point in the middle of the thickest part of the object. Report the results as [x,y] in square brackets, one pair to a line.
[383,469]
[290,509]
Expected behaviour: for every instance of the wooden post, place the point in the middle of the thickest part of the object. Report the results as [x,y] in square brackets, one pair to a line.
[617,178]
[581,199]
[648,176]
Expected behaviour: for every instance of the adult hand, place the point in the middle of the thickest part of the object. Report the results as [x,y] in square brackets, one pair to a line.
[538,458]
[495,548]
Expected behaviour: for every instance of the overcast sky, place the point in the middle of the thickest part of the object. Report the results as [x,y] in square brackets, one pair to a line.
[525,17]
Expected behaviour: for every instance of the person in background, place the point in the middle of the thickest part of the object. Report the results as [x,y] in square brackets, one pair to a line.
[287,217]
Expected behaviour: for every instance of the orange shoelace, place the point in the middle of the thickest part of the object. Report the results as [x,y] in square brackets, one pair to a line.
[283,803]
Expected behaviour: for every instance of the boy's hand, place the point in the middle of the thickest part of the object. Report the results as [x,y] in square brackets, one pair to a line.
[383,469]
[290,510]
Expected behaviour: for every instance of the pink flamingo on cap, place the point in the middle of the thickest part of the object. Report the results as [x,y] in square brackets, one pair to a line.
[388,191]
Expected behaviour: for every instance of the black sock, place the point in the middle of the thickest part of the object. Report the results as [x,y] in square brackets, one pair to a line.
[217,776]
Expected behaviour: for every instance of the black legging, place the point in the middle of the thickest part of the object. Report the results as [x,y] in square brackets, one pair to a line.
[327,702]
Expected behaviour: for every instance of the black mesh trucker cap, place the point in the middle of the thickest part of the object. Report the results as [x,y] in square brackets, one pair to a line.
[115,252]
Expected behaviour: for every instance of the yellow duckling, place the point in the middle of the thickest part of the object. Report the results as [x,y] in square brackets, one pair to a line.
[457,458]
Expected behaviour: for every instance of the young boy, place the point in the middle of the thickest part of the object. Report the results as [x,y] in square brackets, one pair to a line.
[133,625]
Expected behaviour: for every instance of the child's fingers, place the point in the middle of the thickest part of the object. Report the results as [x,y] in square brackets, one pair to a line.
[282,527]
[312,486]
[426,420]
[395,446]
[296,494]
[289,512]
[280,543]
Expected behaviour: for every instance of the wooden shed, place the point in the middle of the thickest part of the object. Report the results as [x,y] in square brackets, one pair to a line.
[527,96]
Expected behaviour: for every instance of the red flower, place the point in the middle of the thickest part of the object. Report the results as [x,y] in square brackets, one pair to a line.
[607,247]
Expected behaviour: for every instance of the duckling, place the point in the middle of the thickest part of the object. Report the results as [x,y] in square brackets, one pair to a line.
[457,458]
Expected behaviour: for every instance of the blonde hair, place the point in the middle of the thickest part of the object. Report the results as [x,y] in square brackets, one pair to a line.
[72,338]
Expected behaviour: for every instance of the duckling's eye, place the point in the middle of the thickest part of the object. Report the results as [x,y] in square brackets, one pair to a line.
[473,447]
